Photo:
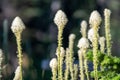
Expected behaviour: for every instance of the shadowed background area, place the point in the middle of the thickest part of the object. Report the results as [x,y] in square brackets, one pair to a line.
[39,40]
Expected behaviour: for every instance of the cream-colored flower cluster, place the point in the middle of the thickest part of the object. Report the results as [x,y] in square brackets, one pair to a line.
[17,25]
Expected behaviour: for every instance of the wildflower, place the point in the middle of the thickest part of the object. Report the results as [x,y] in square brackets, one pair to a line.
[83,43]
[17,28]
[107,14]
[60,19]
[71,60]
[95,19]
[53,63]
[17,25]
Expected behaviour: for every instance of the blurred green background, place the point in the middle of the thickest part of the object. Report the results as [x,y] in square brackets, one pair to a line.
[40,37]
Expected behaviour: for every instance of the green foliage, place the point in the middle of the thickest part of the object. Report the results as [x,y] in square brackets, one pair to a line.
[109,64]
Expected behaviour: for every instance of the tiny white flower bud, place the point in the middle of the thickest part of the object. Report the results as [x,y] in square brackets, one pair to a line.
[95,19]
[83,43]
[72,36]
[53,63]
[17,25]
[17,74]
[60,19]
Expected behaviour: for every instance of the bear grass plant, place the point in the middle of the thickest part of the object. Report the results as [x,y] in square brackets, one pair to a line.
[105,66]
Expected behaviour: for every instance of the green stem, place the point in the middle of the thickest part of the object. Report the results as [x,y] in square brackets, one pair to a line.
[19,48]
[95,51]
[75,72]
[54,72]
[71,59]
[60,31]
[80,55]
[67,64]
[86,64]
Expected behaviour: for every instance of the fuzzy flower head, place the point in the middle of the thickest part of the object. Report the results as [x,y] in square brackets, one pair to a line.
[107,12]
[17,25]
[53,63]
[95,19]
[83,28]
[17,74]
[91,34]
[83,43]
[60,19]
[72,37]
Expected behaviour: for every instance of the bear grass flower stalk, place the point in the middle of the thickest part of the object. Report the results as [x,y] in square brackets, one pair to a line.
[17,28]
[83,44]
[94,21]
[67,65]
[107,14]
[60,20]
[62,55]
[71,59]
[80,55]
[53,65]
